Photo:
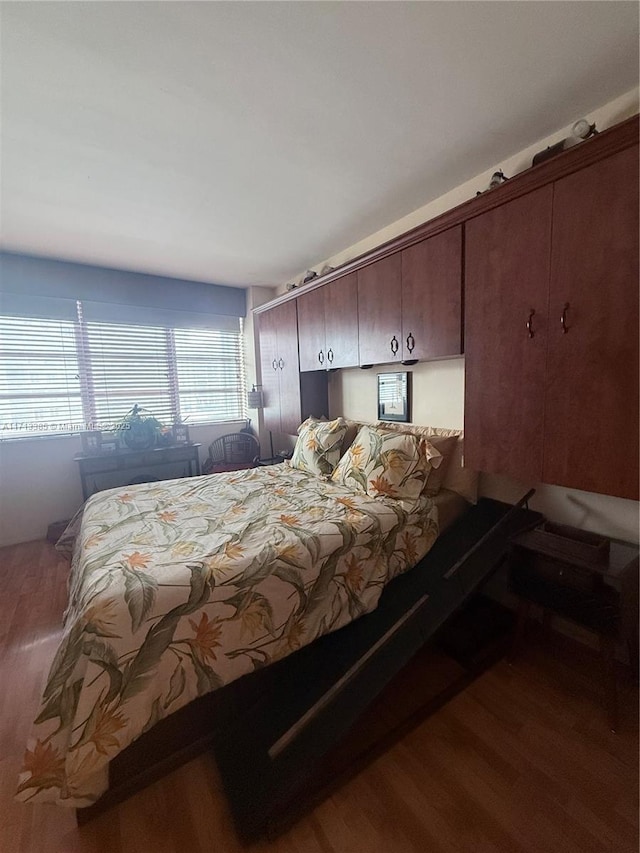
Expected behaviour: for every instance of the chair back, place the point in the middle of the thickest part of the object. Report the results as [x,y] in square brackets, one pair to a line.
[236,450]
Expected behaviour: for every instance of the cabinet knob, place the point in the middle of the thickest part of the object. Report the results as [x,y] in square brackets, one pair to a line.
[280,363]
[529,323]
[411,342]
[563,319]
[321,357]
[274,364]
[330,355]
[394,345]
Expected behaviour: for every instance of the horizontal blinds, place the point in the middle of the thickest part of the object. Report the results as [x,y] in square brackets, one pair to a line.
[60,376]
[39,377]
[210,375]
[128,365]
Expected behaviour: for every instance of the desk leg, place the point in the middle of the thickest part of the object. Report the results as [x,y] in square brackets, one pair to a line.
[607,650]
[523,615]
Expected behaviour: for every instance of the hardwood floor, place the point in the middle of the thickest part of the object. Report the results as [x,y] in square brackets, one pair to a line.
[521,761]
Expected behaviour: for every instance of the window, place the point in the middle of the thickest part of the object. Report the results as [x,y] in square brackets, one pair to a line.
[60,376]
[210,375]
[39,388]
[128,364]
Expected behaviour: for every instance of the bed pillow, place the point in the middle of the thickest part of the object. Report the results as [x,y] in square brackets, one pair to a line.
[318,446]
[353,428]
[457,478]
[388,464]
[446,444]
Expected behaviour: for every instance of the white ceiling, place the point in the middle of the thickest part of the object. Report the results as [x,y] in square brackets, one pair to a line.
[242,142]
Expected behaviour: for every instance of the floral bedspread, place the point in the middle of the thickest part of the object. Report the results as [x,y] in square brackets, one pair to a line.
[180,587]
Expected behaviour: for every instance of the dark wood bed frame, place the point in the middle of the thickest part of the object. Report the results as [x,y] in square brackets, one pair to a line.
[273,731]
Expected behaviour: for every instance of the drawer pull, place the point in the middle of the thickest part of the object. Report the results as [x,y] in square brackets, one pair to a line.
[321,357]
[563,319]
[411,342]
[330,355]
[394,345]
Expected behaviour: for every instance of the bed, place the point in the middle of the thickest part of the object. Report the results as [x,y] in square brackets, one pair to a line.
[181,587]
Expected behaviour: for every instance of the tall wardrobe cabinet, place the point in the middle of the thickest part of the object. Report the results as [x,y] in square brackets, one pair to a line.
[551,332]
[289,395]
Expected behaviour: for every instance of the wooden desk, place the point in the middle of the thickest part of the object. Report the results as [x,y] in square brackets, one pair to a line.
[127,467]
[601,596]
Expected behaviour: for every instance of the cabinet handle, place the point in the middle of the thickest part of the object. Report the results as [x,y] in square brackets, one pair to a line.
[280,363]
[394,345]
[529,323]
[563,319]
[274,364]
[321,357]
[330,355]
[411,342]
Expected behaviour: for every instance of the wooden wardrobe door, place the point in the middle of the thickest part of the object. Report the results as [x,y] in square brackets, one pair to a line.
[432,296]
[288,367]
[341,321]
[592,374]
[379,311]
[268,336]
[507,284]
[311,334]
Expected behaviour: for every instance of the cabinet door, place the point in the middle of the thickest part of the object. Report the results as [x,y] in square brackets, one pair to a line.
[341,321]
[591,428]
[288,368]
[379,311]
[507,254]
[267,330]
[432,296]
[311,311]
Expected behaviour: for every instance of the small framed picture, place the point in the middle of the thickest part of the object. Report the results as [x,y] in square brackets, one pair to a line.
[394,397]
[181,434]
[91,442]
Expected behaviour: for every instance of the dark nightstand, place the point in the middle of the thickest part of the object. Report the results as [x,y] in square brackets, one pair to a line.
[585,578]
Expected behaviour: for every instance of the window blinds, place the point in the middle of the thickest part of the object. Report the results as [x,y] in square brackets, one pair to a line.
[210,375]
[59,376]
[128,364]
[39,377]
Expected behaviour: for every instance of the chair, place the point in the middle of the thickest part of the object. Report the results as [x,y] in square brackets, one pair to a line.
[232,452]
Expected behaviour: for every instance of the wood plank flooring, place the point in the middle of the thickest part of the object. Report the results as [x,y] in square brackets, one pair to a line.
[521,761]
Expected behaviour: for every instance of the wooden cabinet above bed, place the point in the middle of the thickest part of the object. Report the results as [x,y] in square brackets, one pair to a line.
[289,395]
[410,303]
[328,325]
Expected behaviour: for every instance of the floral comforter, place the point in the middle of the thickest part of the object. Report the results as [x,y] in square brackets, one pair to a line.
[180,587]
